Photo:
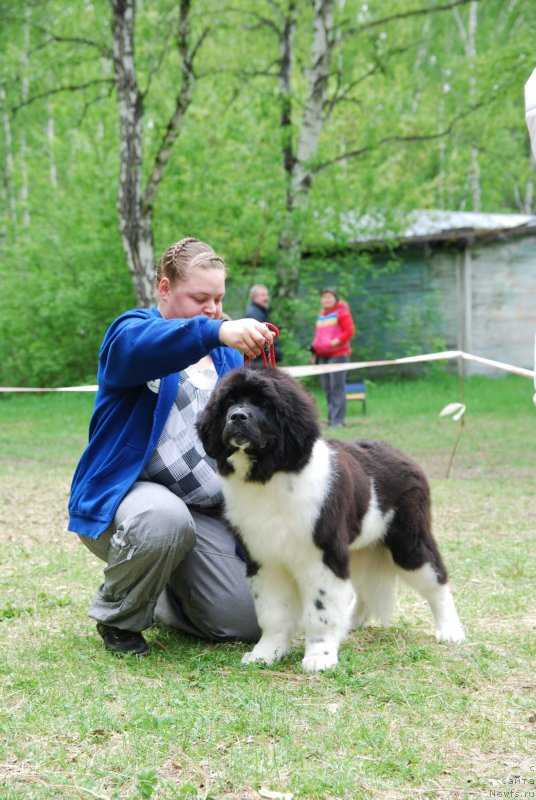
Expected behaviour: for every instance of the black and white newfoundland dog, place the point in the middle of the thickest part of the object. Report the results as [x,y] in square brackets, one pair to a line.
[327,526]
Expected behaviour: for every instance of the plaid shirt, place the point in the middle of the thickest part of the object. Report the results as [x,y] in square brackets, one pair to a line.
[179,460]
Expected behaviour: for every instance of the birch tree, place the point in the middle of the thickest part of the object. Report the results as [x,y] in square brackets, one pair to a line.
[51,137]
[468,32]
[135,202]
[135,197]
[25,88]
[326,89]
[296,164]
[7,182]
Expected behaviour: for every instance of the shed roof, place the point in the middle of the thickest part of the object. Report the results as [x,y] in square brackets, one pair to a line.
[437,225]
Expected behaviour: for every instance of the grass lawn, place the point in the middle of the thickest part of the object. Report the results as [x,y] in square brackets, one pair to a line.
[400,717]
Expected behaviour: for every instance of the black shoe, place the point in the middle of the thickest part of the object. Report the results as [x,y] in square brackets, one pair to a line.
[122,642]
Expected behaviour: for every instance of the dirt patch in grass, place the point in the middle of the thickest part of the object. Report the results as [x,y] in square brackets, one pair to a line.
[34,512]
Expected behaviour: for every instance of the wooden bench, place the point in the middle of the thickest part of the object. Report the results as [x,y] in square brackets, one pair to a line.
[357,391]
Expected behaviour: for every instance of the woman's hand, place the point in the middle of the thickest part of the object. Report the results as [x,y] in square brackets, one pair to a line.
[246,335]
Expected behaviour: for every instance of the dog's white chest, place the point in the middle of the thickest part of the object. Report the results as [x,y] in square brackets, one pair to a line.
[276,519]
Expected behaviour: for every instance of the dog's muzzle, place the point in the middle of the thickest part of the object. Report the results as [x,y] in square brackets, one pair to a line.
[238,425]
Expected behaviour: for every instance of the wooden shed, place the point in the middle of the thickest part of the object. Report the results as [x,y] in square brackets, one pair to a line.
[481,271]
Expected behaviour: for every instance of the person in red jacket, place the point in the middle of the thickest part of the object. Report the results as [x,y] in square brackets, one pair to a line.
[331,345]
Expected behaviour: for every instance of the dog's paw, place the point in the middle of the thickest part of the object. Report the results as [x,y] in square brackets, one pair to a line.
[450,632]
[318,662]
[265,653]
[360,619]
[318,659]
[254,658]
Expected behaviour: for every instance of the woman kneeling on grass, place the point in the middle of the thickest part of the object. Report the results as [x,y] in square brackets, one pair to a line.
[145,498]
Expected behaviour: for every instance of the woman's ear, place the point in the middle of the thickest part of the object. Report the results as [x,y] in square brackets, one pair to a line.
[163,288]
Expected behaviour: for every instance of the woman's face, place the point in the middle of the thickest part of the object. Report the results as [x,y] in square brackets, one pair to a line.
[327,300]
[201,293]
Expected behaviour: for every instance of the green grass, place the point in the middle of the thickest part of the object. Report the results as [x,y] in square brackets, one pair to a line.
[400,717]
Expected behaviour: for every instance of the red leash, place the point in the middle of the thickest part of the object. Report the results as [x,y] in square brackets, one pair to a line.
[268,353]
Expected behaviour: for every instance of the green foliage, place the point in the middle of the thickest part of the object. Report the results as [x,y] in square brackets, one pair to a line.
[406,78]
[60,293]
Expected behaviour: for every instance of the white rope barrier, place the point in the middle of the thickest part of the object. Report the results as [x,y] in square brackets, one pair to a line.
[48,389]
[319,369]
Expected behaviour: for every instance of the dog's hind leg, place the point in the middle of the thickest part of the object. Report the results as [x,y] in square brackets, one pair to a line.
[419,562]
[374,578]
[424,580]
[328,604]
[278,610]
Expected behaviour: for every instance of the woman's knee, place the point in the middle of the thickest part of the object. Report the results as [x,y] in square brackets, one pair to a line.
[232,619]
[152,517]
[242,630]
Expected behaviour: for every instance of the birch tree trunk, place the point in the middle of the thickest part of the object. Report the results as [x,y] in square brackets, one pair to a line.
[25,86]
[8,168]
[134,225]
[297,165]
[51,137]
[468,36]
[134,204]
[475,165]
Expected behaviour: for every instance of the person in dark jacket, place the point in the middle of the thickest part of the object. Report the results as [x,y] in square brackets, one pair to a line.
[145,498]
[259,309]
[331,345]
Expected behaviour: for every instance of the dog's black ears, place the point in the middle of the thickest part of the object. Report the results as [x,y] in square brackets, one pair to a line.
[298,418]
[210,427]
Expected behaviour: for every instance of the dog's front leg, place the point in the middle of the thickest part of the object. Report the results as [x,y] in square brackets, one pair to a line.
[328,606]
[277,607]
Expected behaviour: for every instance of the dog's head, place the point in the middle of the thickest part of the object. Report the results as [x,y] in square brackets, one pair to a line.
[266,414]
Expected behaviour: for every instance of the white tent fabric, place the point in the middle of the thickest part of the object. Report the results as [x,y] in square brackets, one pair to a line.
[530,109]
[530,116]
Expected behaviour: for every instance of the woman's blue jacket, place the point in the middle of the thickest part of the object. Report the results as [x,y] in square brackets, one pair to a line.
[129,416]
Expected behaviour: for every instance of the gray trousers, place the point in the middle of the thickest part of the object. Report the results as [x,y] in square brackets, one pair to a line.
[170,565]
[333,384]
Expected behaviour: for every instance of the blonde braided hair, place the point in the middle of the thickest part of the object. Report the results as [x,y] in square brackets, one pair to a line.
[184,256]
